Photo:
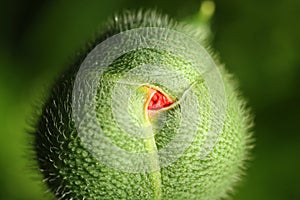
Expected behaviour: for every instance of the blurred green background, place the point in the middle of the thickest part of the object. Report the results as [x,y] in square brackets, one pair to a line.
[258,40]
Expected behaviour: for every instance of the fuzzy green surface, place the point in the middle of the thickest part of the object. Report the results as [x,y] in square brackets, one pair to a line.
[71,171]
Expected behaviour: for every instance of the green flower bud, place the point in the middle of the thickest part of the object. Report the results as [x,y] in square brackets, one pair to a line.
[144,113]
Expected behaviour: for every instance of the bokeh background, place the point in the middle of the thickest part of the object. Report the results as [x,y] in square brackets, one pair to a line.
[259,40]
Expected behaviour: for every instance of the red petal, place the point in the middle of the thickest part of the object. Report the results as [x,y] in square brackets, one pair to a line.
[158,101]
